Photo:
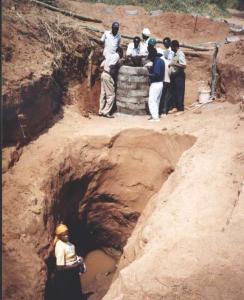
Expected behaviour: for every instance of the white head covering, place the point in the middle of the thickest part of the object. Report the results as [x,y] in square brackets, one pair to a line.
[146,32]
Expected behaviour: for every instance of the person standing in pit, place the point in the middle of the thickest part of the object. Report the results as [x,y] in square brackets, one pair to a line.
[177,77]
[156,76]
[111,40]
[108,80]
[68,265]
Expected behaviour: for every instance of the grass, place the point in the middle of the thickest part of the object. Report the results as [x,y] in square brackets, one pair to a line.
[213,8]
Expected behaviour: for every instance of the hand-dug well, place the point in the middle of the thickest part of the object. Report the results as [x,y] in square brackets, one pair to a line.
[132,90]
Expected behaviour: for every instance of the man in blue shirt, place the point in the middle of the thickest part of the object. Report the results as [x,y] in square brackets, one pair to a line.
[156,76]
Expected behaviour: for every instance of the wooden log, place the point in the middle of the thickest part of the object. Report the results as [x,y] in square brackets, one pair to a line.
[214,72]
[128,37]
[67,13]
[89,77]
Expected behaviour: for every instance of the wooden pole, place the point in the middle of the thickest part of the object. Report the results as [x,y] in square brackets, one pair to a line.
[67,13]
[129,37]
[89,76]
[214,72]
[195,25]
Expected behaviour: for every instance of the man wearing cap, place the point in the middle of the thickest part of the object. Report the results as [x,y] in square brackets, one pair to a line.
[145,38]
[177,77]
[108,78]
[111,40]
[156,76]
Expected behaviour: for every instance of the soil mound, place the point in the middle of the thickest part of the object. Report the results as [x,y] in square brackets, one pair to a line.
[231,71]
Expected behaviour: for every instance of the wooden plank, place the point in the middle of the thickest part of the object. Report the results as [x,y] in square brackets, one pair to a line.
[67,13]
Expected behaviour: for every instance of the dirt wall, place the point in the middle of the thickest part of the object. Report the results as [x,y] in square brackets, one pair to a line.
[32,209]
[231,72]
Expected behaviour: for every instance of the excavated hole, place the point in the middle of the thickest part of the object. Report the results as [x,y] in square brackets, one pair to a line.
[102,208]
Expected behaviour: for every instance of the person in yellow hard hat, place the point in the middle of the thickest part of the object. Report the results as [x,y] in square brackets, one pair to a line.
[68,265]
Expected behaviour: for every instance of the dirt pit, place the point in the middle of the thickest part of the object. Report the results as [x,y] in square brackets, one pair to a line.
[97,186]
[102,208]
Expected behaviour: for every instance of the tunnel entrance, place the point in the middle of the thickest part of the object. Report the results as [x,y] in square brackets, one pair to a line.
[101,208]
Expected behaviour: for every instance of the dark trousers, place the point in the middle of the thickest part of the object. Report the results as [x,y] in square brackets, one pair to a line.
[178,90]
[165,99]
[68,286]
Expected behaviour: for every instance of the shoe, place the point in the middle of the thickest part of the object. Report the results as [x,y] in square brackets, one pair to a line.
[154,120]
[149,118]
[163,116]
[108,116]
[100,114]
[172,111]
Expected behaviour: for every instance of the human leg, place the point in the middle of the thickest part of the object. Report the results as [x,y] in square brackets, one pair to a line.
[102,100]
[180,90]
[109,87]
[155,93]
[166,98]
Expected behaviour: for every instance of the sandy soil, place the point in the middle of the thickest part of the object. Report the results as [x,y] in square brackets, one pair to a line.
[199,202]
[188,242]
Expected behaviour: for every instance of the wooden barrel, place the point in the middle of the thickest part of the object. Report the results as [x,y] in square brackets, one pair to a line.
[132,90]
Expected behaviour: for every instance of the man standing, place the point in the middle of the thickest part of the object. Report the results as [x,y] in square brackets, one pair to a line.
[156,76]
[111,40]
[108,78]
[166,94]
[167,55]
[167,51]
[177,67]
[145,38]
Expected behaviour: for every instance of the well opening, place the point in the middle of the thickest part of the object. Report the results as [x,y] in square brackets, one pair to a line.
[101,209]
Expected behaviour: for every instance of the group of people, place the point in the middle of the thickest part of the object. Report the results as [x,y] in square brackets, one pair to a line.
[166,71]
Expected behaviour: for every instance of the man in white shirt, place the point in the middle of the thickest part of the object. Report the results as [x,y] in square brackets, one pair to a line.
[167,55]
[145,38]
[165,98]
[108,78]
[166,51]
[111,40]
[135,52]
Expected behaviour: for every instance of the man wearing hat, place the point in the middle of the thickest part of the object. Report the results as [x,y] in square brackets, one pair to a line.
[145,38]
[111,40]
